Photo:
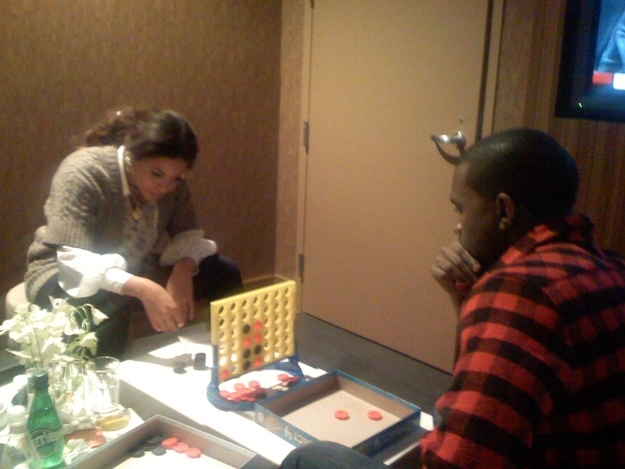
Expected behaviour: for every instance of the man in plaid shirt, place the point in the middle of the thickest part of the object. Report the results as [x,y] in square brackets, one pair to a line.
[539,377]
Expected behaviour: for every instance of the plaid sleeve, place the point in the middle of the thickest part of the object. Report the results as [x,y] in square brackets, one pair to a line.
[503,381]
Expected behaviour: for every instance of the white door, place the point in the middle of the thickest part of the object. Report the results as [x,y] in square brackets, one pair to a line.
[385,75]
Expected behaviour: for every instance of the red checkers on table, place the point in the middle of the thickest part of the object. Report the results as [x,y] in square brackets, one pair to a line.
[181,447]
[341,415]
[254,384]
[374,415]
[169,443]
[193,453]
[286,378]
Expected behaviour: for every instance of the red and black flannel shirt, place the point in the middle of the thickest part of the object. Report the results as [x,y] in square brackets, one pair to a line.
[540,375]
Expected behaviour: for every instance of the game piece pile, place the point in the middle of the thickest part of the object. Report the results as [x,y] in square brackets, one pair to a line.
[158,452]
[253,391]
[158,446]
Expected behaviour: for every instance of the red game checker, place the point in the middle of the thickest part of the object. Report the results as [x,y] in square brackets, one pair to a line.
[193,453]
[181,447]
[169,443]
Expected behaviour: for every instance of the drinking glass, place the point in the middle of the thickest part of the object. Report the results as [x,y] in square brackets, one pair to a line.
[104,379]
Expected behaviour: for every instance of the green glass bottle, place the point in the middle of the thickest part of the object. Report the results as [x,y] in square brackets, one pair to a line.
[44,427]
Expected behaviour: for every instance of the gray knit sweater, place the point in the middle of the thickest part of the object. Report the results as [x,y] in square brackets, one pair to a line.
[86,209]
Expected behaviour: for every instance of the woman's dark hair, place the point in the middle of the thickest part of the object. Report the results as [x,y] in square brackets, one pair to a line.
[146,134]
[111,129]
[529,166]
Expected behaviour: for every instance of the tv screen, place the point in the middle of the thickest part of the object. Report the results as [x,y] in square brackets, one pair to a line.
[592,68]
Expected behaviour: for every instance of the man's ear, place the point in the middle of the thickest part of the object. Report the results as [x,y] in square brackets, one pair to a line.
[506,211]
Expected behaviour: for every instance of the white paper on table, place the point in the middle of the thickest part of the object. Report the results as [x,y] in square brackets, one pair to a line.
[197,341]
[187,345]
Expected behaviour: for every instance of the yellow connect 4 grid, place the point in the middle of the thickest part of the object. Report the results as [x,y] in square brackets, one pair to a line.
[253,329]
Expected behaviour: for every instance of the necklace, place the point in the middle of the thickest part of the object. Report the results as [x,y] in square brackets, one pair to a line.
[135,200]
[134,203]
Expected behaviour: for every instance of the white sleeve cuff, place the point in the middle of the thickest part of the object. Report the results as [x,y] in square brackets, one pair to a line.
[82,273]
[188,244]
[115,279]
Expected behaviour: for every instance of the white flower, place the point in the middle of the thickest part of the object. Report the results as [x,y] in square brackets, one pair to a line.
[97,316]
[89,341]
[45,337]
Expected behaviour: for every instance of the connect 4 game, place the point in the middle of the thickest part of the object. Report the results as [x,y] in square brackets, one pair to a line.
[250,332]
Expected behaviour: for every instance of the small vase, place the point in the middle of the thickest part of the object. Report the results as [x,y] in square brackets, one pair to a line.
[70,392]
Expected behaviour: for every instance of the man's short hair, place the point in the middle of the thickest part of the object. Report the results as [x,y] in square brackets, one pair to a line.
[529,166]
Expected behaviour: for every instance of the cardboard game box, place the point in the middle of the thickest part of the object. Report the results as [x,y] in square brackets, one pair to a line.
[215,452]
[338,407]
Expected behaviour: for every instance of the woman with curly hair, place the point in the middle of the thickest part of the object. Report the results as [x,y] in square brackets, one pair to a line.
[110,203]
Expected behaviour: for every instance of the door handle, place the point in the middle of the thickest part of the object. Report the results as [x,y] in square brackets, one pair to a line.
[458,140]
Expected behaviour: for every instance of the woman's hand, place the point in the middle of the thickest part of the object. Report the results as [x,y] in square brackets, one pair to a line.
[162,311]
[456,271]
[180,287]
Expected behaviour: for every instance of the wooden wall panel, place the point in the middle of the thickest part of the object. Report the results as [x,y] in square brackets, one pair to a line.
[64,62]
[291,104]
[526,91]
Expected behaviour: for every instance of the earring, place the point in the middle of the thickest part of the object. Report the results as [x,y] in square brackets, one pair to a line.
[503,225]
[128,161]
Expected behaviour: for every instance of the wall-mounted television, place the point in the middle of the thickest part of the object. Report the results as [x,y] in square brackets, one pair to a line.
[591,83]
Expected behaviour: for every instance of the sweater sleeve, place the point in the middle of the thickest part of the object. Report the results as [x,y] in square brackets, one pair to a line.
[180,215]
[73,204]
[503,382]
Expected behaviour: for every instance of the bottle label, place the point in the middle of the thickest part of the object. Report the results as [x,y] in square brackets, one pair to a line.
[45,441]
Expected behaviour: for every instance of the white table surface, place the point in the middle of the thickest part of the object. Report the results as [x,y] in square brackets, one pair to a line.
[185,393]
